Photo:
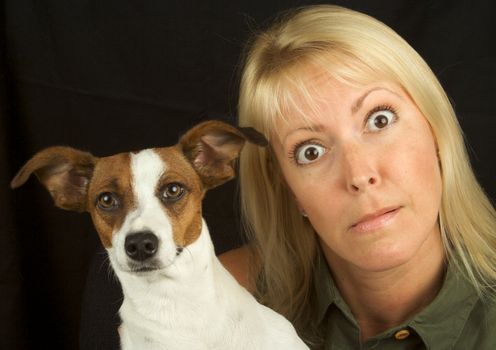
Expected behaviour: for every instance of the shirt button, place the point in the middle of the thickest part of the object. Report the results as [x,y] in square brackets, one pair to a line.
[402,334]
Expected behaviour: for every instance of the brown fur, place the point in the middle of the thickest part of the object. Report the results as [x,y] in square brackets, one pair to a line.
[185,214]
[213,147]
[112,174]
[65,172]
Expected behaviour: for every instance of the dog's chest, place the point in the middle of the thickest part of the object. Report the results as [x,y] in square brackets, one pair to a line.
[210,328]
[193,316]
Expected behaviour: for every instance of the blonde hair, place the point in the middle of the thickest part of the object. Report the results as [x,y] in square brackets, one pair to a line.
[356,49]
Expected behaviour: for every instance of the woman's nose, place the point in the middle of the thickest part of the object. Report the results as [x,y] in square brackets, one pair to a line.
[359,169]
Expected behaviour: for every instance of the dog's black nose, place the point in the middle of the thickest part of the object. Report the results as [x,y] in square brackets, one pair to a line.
[140,246]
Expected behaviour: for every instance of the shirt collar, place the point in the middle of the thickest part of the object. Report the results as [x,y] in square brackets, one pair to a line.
[326,291]
[324,287]
[441,322]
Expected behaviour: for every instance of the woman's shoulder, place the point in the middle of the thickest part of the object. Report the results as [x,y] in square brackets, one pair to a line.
[478,331]
[239,263]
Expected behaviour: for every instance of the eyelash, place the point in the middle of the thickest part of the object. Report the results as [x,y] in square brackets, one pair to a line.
[382,107]
[292,152]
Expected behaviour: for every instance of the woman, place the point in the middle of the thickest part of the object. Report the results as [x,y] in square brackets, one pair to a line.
[368,224]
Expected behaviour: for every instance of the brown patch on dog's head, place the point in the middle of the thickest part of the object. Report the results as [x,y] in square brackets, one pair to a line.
[185,213]
[204,158]
[110,195]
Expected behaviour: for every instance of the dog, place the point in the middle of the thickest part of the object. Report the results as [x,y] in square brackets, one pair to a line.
[146,208]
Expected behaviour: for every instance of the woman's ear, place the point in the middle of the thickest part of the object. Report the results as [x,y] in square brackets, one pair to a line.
[300,207]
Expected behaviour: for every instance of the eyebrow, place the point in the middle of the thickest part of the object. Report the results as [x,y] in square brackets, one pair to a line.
[358,104]
[312,127]
[354,108]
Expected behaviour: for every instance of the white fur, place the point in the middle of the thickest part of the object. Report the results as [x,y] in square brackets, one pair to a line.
[192,302]
[146,169]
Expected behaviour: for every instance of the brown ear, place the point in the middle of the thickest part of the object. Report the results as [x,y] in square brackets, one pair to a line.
[212,148]
[64,171]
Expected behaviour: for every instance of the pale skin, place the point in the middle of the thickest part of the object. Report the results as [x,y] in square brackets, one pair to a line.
[236,261]
[365,171]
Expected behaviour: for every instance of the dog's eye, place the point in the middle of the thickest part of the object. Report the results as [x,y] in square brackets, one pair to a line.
[107,201]
[172,192]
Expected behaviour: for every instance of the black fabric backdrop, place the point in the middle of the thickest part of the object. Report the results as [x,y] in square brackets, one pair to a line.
[117,75]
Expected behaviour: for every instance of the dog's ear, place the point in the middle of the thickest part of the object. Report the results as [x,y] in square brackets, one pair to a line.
[64,171]
[212,147]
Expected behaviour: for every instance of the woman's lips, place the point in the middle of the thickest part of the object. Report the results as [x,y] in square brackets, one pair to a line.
[376,220]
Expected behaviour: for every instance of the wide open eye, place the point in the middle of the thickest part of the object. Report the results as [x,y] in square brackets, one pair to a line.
[172,192]
[309,153]
[107,201]
[380,119]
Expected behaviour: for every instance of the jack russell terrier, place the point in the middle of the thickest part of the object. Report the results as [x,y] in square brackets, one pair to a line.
[146,207]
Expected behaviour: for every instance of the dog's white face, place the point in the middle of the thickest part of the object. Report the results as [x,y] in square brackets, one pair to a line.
[146,207]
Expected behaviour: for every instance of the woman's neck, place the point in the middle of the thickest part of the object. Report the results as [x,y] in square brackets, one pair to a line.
[385,299]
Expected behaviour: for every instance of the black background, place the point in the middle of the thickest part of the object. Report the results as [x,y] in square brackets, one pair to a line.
[118,75]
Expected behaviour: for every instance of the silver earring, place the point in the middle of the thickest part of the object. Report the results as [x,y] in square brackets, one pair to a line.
[304,213]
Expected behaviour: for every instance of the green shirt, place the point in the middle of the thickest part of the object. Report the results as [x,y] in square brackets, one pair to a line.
[456,319]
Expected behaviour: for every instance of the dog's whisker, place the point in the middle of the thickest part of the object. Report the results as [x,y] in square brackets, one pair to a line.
[172,262]
[190,254]
[105,260]
[111,274]
[106,264]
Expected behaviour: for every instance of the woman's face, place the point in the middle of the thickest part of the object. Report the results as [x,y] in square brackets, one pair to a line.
[365,171]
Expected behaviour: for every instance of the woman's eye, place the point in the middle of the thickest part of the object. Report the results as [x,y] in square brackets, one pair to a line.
[309,153]
[380,120]
[107,201]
